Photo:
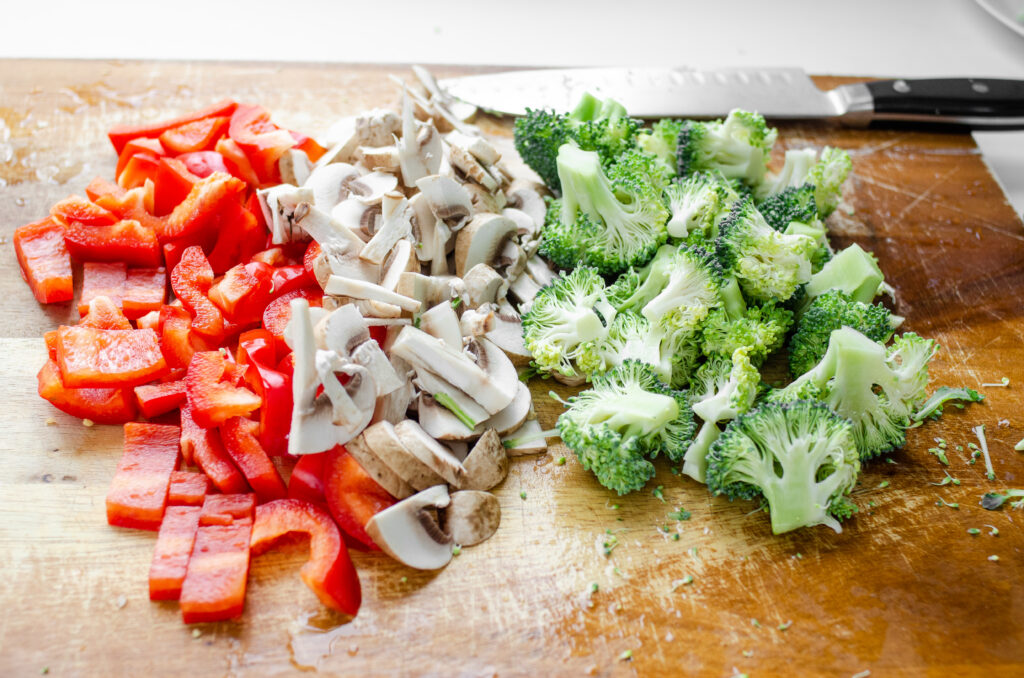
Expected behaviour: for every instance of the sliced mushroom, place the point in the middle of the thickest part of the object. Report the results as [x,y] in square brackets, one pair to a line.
[463,160]
[294,167]
[409,533]
[430,452]
[397,262]
[513,416]
[393,406]
[346,264]
[487,463]
[477,146]
[359,289]
[382,441]
[422,227]
[441,423]
[477,321]
[471,517]
[527,439]
[358,217]
[383,474]
[483,285]
[369,355]
[316,316]
[538,269]
[525,226]
[396,226]
[481,240]
[328,232]
[353,402]
[330,184]
[373,128]
[458,449]
[420,148]
[342,331]
[524,289]
[441,321]
[378,158]
[485,200]
[511,259]
[371,188]
[430,290]
[527,198]
[279,205]
[461,110]
[506,332]
[438,388]
[442,242]
[447,198]
[496,364]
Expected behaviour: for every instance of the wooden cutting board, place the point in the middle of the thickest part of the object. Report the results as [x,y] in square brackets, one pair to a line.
[904,590]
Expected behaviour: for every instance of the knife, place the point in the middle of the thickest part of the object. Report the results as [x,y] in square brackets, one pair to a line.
[781,93]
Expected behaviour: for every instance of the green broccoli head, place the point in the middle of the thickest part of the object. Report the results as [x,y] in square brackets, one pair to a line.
[610,220]
[626,416]
[760,328]
[797,165]
[829,312]
[567,318]
[538,136]
[723,388]
[698,202]
[827,176]
[792,204]
[661,142]
[608,137]
[815,228]
[738,146]
[800,456]
[672,354]
[769,265]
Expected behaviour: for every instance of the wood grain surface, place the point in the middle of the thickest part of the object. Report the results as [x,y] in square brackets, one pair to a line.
[903,591]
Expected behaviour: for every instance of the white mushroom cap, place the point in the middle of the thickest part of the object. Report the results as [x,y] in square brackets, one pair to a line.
[409,533]
[381,440]
[471,516]
[481,240]
[330,184]
[487,463]
[447,198]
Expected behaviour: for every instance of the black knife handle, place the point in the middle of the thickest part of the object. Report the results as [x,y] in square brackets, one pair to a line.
[979,103]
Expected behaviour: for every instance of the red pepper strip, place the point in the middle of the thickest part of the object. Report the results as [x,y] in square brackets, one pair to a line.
[102,279]
[103,314]
[352,495]
[261,140]
[288,278]
[172,185]
[329,571]
[44,260]
[141,168]
[171,554]
[138,492]
[239,237]
[198,135]
[157,399]
[273,256]
[177,341]
[143,145]
[307,479]
[188,488]
[205,207]
[151,321]
[223,509]
[313,251]
[127,241]
[275,390]
[137,291]
[279,312]
[89,357]
[214,586]
[253,205]
[136,204]
[244,292]
[100,187]
[255,346]
[204,163]
[191,280]
[237,162]
[214,401]
[311,148]
[239,437]
[101,405]
[75,208]
[202,446]
[120,135]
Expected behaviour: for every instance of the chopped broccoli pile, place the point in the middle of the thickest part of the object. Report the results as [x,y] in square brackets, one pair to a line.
[692,269]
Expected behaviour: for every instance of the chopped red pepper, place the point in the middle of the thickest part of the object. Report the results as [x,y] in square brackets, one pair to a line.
[101,405]
[173,183]
[202,446]
[120,135]
[76,209]
[205,208]
[214,401]
[136,204]
[329,571]
[214,586]
[352,495]
[204,163]
[313,250]
[157,399]
[100,187]
[223,509]
[191,280]
[273,256]
[102,314]
[197,135]
[261,140]
[137,291]
[237,162]
[91,358]
[311,148]
[171,554]
[177,341]
[279,312]
[307,479]
[138,492]
[44,260]
[151,321]
[188,488]
[141,170]
[127,240]
[275,390]
[239,437]
[256,346]
[238,238]
[143,145]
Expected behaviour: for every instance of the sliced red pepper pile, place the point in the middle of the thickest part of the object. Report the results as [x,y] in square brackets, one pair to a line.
[210,368]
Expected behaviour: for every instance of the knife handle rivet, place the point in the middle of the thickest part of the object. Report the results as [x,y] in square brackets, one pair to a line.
[979,87]
[901,86]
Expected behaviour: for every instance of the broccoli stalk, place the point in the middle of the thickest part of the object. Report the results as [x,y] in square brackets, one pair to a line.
[800,456]
[829,312]
[852,271]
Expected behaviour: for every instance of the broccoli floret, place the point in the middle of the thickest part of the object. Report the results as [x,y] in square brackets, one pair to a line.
[760,329]
[853,271]
[538,136]
[769,265]
[829,312]
[800,456]
[738,146]
[610,221]
[877,390]
[675,291]
[566,320]
[792,204]
[814,229]
[627,416]
[795,168]
[661,142]
[824,177]
[942,395]
[632,337]
[698,202]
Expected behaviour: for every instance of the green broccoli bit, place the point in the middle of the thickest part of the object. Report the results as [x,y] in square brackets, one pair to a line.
[829,312]
[738,147]
[814,229]
[631,336]
[661,142]
[942,395]
[698,203]
[795,203]
[762,329]
[538,136]
[800,456]
[827,176]
[626,417]
[853,271]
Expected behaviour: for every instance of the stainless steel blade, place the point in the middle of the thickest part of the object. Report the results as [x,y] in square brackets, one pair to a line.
[654,92]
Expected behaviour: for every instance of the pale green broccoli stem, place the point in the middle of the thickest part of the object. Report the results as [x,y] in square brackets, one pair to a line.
[453,407]
[793,173]
[852,271]
[979,431]
[589,108]
[637,413]
[732,299]
[695,461]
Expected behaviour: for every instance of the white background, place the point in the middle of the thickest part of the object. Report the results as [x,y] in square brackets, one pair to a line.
[869,37]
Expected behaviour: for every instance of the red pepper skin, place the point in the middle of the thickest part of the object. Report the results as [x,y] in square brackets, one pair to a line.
[120,135]
[188,488]
[275,390]
[137,291]
[237,162]
[127,240]
[261,140]
[329,571]
[191,280]
[279,312]
[202,447]
[103,314]
[173,183]
[138,492]
[204,163]
[214,586]
[210,202]
[75,209]
[173,549]
[141,168]
[311,148]
[239,437]
[239,237]
[101,405]
[44,261]
[91,358]
[255,346]
[198,135]
[289,278]
[379,333]
[353,497]
[212,400]
[238,284]
[177,341]
[223,509]
[157,399]
[143,145]
[307,479]
[136,205]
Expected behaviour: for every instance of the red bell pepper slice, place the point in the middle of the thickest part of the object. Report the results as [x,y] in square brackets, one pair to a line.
[214,586]
[288,278]
[173,183]
[127,240]
[208,206]
[353,497]
[44,260]
[147,146]
[188,488]
[307,479]
[102,314]
[237,162]
[99,187]
[138,492]
[239,437]
[177,341]
[157,399]
[198,135]
[279,312]
[275,390]
[212,400]
[92,358]
[173,549]
[191,280]
[141,169]
[238,283]
[100,405]
[273,256]
[238,238]
[120,135]
[256,346]
[313,251]
[329,571]
[151,321]
[223,509]
[261,140]
[136,204]
[202,446]
[76,209]
[204,163]
[137,291]
[311,148]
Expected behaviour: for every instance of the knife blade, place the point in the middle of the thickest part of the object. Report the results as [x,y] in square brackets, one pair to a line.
[780,93]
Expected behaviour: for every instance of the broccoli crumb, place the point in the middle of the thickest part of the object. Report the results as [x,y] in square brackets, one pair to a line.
[882,485]
[756,624]
[942,502]
[679,514]
[973,531]
[626,656]
[522,494]
[560,461]
[993,531]
[659,493]
[456,550]
[994,558]
[785,625]
[1003,383]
